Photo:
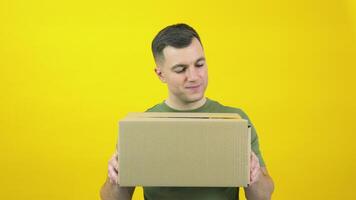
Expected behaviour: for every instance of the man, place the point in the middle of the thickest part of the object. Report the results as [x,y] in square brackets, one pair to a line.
[181,64]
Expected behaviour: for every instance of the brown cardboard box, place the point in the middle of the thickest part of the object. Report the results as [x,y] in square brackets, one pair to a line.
[184,149]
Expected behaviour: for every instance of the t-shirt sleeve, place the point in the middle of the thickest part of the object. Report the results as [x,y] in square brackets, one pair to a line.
[254,138]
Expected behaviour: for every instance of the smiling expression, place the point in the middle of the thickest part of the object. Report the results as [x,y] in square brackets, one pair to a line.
[185,72]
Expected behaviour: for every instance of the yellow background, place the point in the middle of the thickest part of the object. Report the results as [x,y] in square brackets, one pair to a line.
[69,70]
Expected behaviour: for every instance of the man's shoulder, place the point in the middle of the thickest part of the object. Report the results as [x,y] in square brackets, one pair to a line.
[155,108]
[218,107]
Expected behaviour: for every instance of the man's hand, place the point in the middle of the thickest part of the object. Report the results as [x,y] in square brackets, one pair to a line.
[261,184]
[254,168]
[113,166]
[111,190]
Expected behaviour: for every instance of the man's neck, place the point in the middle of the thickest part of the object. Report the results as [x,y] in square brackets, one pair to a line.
[178,105]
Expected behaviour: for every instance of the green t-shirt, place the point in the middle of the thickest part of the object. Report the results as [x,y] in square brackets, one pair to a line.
[201,193]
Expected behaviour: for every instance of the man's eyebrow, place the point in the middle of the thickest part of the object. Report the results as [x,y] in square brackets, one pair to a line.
[200,59]
[185,65]
[179,65]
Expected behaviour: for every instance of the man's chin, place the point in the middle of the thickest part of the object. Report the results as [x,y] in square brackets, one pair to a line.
[194,98]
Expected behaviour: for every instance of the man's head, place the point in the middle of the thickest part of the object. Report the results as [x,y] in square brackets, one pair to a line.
[180,60]
[177,36]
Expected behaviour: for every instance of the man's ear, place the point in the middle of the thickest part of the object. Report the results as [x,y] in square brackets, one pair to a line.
[160,74]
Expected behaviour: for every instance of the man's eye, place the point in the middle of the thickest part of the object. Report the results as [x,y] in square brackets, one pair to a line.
[200,65]
[179,70]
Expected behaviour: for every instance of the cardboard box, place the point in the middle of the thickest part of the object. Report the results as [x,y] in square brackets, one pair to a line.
[184,149]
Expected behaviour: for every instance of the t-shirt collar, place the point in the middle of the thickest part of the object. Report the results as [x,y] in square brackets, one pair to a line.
[166,108]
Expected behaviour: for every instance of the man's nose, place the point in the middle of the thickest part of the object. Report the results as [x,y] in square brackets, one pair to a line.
[192,74]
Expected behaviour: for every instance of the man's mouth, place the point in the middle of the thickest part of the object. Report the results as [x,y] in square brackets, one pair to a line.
[193,86]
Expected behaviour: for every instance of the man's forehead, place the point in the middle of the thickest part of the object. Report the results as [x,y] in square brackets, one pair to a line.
[193,46]
[185,55]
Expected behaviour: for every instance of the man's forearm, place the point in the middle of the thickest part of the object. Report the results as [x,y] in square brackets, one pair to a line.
[262,189]
[111,191]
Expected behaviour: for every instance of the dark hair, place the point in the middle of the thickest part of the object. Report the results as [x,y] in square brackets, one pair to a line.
[177,35]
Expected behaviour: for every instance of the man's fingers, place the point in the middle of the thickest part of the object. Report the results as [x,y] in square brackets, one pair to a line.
[113,168]
[114,162]
[254,161]
[112,173]
[254,168]
[254,156]
[255,175]
[115,165]
[112,176]
[257,161]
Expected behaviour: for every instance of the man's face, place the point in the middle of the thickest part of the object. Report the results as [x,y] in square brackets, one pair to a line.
[185,72]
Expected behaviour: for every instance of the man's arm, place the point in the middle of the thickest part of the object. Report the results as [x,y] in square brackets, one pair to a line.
[262,188]
[111,190]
